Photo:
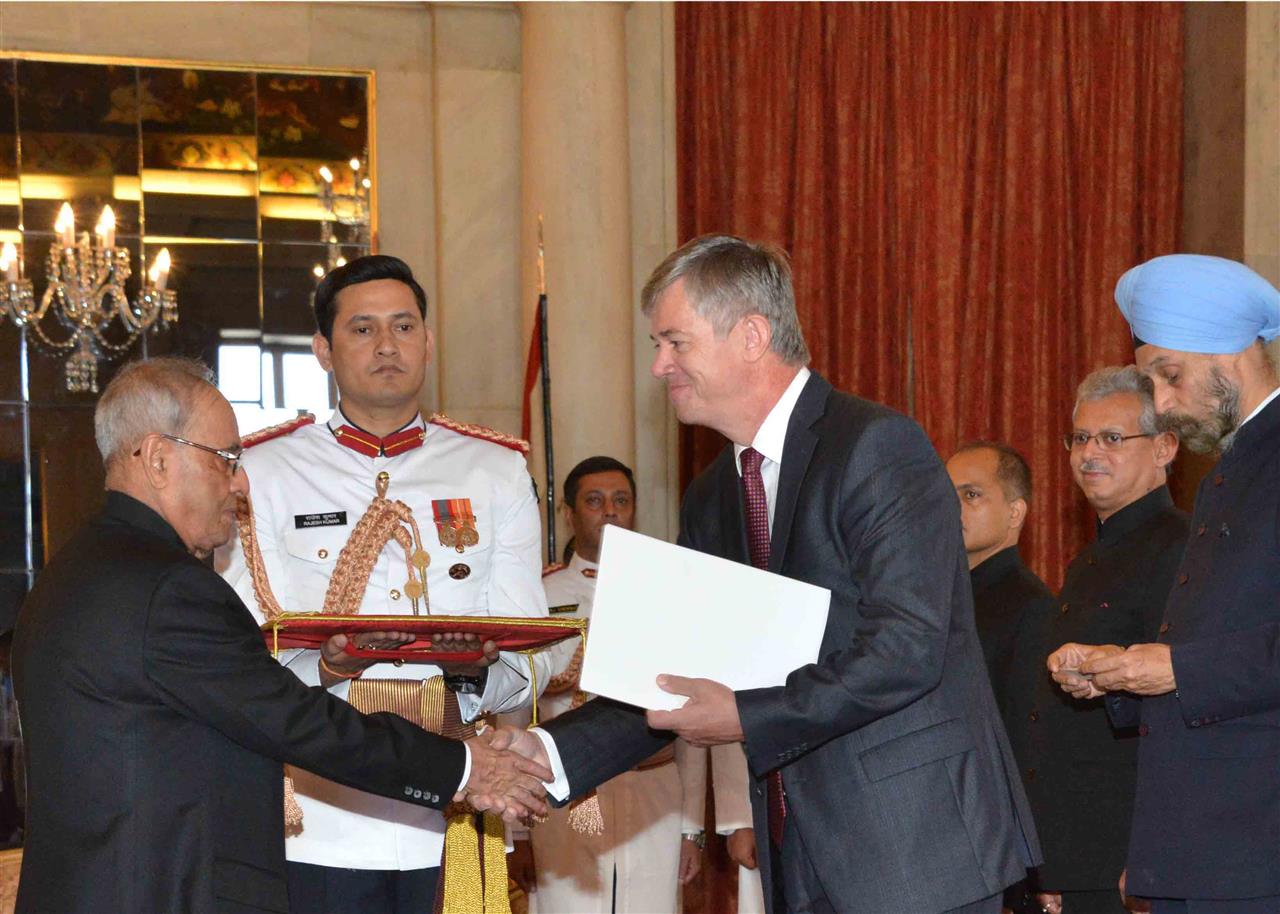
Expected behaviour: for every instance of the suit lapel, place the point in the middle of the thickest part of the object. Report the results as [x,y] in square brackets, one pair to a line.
[796,453]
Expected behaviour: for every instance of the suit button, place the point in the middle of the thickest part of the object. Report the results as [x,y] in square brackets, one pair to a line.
[1031,774]
[322,553]
[1143,730]
[1196,722]
[1200,531]
[1225,531]
[417,794]
[408,791]
[1183,578]
[435,798]
[1164,627]
[395,594]
[1035,716]
[1065,607]
[1219,480]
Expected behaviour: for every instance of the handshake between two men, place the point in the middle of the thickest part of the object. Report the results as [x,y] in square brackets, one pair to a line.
[499,780]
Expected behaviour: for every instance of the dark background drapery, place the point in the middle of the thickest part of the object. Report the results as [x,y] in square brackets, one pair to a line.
[959,187]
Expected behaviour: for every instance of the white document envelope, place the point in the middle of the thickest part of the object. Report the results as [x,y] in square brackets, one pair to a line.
[661,608]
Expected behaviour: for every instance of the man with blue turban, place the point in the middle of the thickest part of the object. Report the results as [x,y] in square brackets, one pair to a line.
[1206,695]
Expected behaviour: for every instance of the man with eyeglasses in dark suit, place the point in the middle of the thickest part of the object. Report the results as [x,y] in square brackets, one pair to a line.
[1080,771]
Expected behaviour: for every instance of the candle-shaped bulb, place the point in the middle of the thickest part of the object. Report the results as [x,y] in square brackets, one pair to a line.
[318,271]
[340,262]
[65,226]
[9,262]
[159,272]
[106,230]
[366,183]
[355,164]
[326,175]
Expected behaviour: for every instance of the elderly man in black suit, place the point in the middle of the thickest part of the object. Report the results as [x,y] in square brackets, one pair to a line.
[881,774]
[1205,693]
[156,721]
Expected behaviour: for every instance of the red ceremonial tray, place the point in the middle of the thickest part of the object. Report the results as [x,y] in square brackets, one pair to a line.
[310,630]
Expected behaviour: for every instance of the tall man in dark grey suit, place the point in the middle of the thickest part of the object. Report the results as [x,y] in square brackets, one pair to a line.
[882,772]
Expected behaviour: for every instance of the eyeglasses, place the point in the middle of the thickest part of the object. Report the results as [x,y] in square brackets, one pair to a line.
[1107,441]
[232,458]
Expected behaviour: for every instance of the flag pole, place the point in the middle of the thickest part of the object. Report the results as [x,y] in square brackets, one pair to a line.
[546,397]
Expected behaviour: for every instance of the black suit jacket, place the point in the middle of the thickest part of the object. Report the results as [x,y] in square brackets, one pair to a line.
[1080,771]
[1206,817]
[156,723]
[1010,605]
[895,763]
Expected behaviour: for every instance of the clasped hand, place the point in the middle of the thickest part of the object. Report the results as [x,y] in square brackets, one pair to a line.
[1090,670]
[504,782]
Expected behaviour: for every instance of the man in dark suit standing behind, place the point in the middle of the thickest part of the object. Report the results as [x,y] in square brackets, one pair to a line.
[881,773]
[156,721]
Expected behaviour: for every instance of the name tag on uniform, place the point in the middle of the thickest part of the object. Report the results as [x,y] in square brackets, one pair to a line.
[563,609]
[327,519]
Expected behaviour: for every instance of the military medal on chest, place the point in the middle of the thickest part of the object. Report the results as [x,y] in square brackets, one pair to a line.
[455,523]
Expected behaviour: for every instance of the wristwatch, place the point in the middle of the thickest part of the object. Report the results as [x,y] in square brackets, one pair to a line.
[699,838]
[466,685]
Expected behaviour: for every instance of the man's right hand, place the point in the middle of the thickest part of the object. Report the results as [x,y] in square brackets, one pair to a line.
[523,742]
[741,845]
[504,782]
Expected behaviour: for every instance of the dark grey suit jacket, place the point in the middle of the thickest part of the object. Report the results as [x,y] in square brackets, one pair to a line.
[156,722]
[901,787]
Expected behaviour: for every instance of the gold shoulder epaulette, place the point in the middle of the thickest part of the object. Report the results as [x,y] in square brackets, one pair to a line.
[481,432]
[276,431]
[553,568]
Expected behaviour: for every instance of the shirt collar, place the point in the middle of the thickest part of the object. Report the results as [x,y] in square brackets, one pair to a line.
[577,564]
[771,437]
[348,434]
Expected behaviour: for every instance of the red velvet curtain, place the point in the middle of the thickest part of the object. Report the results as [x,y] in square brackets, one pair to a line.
[959,187]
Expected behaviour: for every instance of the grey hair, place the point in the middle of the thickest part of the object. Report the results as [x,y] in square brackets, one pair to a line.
[1121,379]
[727,278]
[145,397]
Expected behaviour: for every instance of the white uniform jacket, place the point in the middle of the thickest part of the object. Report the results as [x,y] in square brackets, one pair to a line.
[308,493]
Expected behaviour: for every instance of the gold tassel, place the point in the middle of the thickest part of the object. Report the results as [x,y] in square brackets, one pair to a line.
[292,811]
[494,843]
[474,866]
[585,816]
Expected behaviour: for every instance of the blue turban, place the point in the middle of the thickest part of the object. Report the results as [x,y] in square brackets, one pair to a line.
[1196,303]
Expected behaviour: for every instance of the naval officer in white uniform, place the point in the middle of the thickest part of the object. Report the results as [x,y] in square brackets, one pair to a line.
[472,499]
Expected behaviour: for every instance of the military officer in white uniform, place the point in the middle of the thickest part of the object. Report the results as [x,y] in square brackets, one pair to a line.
[472,500]
[653,816]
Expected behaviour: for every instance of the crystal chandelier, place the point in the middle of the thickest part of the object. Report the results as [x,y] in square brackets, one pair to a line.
[351,210]
[85,293]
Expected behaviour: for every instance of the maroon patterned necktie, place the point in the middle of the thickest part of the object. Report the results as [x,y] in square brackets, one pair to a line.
[758,542]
